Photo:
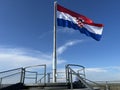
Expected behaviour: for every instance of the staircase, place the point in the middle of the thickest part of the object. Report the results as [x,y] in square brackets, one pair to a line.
[44,82]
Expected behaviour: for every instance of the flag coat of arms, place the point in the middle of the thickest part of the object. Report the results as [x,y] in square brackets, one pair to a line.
[70,19]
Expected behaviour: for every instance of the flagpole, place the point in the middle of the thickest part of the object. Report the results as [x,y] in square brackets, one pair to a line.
[54,45]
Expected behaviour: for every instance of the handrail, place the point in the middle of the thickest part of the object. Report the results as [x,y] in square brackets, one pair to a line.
[92,82]
[44,65]
[67,70]
[10,70]
[85,83]
[22,73]
[10,73]
[74,65]
[70,72]
[31,77]
[42,78]
[35,66]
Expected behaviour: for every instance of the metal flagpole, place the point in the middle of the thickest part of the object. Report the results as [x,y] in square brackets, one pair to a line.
[54,45]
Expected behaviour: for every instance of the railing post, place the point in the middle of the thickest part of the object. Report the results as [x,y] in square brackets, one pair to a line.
[45,74]
[48,77]
[36,77]
[71,80]
[106,85]
[23,75]
[0,82]
[66,69]
[21,78]
[67,74]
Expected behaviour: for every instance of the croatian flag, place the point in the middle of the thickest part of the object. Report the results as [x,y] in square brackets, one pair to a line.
[70,19]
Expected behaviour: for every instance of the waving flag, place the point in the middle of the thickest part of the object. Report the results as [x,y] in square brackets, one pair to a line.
[70,19]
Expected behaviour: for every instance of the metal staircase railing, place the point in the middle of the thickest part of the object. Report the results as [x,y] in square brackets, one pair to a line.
[20,75]
[71,73]
[78,68]
[6,77]
[69,76]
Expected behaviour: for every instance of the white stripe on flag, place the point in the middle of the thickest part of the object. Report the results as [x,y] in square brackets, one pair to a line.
[66,16]
[93,29]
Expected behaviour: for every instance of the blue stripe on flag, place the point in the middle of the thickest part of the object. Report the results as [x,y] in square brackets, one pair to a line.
[69,24]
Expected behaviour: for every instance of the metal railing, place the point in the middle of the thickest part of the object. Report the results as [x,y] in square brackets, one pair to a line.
[80,75]
[32,75]
[70,72]
[6,77]
[22,75]
[28,75]
[78,69]
[38,76]
[61,77]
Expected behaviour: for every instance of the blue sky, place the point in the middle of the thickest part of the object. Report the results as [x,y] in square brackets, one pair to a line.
[26,36]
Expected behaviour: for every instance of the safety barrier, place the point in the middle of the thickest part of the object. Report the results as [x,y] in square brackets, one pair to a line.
[22,75]
[37,74]
[11,77]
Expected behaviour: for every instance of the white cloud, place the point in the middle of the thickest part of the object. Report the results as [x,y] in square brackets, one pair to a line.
[62,48]
[114,68]
[18,57]
[103,74]
[100,70]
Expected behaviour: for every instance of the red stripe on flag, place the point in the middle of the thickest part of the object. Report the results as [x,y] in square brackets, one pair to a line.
[74,14]
[78,16]
[94,24]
